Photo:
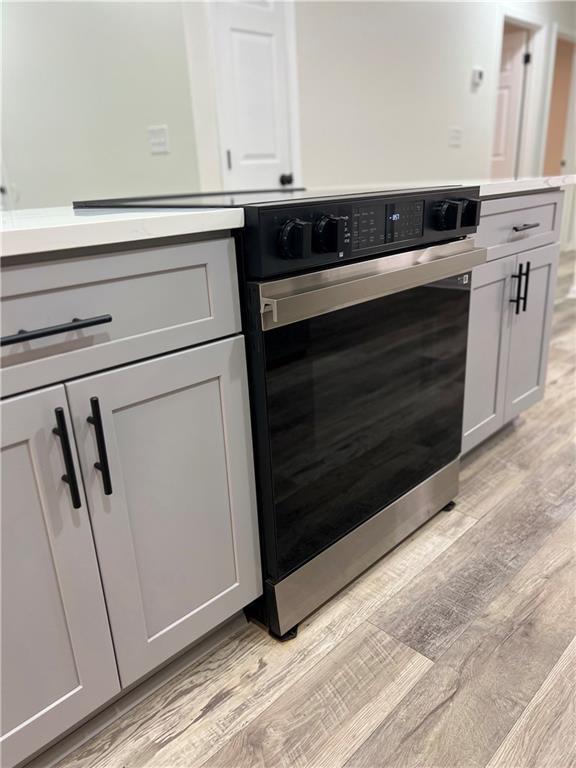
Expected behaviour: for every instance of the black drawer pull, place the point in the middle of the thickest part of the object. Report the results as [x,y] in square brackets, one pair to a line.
[517,301]
[74,325]
[102,464]
[61,430]
[527,278]
[524,227]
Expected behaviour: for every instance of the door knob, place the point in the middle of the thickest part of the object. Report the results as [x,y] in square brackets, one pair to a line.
[286,178]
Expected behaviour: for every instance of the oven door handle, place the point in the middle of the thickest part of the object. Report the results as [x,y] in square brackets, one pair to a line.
[279,307]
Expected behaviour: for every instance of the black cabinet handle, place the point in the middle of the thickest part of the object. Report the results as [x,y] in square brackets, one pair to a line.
[286,178]
[102,463]
[518,298]
[74,325]
[61,430]
[524,227]
[526,280]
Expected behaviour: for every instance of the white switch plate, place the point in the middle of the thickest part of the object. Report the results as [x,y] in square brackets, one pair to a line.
[477,78]
[455,136]
[158,139]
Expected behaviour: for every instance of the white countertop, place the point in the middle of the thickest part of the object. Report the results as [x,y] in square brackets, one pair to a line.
[35,230]
[488,188]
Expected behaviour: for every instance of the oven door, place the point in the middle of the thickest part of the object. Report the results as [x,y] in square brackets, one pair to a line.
[361,391]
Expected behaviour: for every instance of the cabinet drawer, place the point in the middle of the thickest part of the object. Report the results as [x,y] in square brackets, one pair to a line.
[513,224]
[158,299]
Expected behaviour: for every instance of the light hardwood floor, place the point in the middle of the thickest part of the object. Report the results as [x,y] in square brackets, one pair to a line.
[455,650]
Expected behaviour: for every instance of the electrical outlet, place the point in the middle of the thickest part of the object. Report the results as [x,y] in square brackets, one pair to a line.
[455,136]
[158,139]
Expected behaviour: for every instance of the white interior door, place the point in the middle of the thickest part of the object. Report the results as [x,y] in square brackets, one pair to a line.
[251,52]
[509,102]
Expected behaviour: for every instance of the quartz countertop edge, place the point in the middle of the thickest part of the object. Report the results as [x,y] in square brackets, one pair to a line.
[505,187]
[40,230]
[488,187]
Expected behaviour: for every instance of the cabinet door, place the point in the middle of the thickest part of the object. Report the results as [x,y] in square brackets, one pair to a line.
[530,331]
[488,342]
[57,657]
[177,536]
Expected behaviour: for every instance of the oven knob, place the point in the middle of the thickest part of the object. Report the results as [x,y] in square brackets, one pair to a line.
[329,233]
[296,239]
[446,214]
[470,213]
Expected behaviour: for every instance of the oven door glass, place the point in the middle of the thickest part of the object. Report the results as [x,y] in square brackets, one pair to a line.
[364,403]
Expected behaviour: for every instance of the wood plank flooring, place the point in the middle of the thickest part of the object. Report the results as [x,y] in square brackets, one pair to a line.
[457,649]
[544,735]
[462,709]
[342,701]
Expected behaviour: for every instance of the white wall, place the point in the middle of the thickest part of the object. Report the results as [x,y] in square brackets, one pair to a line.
[382,83]
[201,71]
[82,81]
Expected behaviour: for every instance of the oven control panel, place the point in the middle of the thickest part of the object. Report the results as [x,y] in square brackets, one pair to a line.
[378,224]
[301,235]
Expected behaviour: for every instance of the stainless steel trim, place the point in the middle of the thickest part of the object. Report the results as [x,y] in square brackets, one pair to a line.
[300,593]
[297,298]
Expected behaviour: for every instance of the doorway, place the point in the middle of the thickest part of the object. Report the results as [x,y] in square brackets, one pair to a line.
[257,125]
[555,161]
[510,102]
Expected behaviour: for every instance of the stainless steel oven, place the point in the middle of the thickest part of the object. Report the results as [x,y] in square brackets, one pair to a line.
[355,314]
[357,375]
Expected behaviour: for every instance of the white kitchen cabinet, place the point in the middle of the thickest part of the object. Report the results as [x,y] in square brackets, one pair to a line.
[57,657]
[176,528]
[99,590]
[507,350]
[134,304]
[530,331]
[488,346]
[512,224]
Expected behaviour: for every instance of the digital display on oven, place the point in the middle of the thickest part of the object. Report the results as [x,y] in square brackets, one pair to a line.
[378,224]
[404,221]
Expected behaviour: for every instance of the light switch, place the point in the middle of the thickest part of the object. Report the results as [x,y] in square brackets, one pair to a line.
[158,139]
[477,78]
[455,136]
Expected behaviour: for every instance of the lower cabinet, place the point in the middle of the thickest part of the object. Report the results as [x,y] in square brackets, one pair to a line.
[167,464]
[125,536]
[511,307]
[488,344]
[57,657]
[530,331]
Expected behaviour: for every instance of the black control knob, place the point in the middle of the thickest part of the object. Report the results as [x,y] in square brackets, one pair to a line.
[470,212]
[447,214]
[329,233]
[296,239]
